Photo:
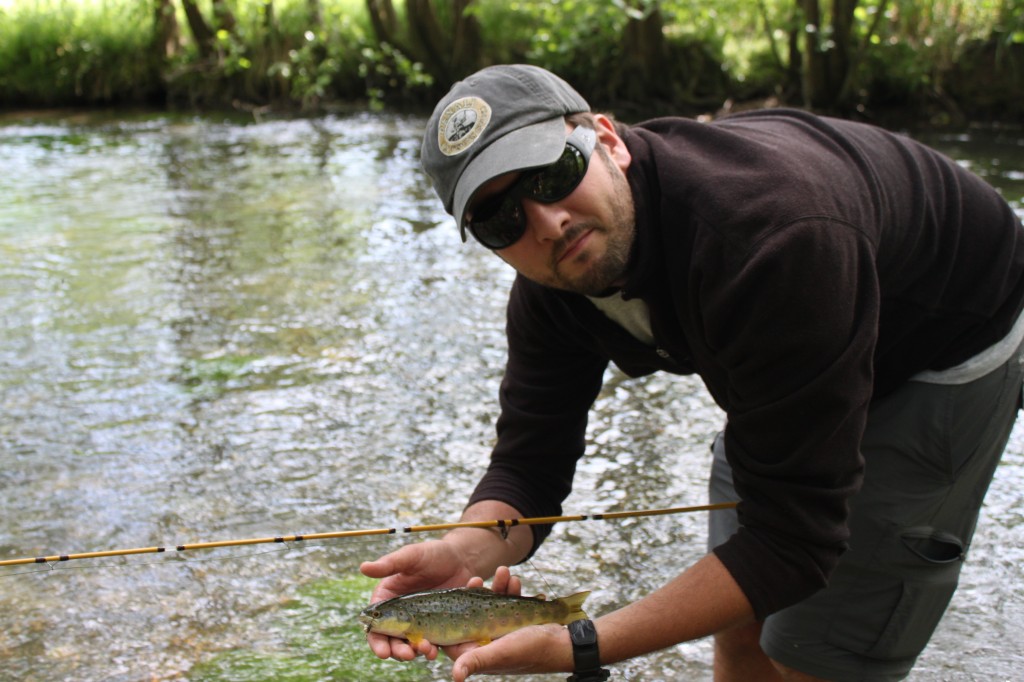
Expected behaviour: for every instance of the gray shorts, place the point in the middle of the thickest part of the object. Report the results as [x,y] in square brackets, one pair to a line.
[930,452]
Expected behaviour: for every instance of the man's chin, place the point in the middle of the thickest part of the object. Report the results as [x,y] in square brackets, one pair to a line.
[590,284]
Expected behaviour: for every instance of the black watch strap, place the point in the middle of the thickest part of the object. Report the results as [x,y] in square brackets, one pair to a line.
[585,654]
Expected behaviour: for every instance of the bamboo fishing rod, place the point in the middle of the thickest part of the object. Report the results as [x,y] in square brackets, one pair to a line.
[502,524]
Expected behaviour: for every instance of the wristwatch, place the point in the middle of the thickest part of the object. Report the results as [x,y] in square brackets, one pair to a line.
[585,655]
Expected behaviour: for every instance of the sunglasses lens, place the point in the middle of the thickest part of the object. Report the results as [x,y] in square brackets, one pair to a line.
[500,222]
[559,179]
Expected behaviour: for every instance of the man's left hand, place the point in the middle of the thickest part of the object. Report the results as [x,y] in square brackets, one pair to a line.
[533,649]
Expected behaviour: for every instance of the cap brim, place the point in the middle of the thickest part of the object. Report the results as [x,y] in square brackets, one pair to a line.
[534,146]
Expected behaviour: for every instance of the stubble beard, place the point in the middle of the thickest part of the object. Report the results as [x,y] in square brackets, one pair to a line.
[608,269]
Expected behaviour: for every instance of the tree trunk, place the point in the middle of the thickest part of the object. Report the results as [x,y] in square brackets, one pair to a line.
[467,41]
[847,94]
[827,63]
[225,19]
[275,52]
[840,57]
[201,31]
[815,73]
[794,68]
[383,19]
[645,72]
[429,39]
[447,52]
[166,33]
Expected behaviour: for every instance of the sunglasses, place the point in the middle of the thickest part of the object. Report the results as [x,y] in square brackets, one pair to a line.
[500,221]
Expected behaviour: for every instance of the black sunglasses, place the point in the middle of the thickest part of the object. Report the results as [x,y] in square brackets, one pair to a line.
[499,222]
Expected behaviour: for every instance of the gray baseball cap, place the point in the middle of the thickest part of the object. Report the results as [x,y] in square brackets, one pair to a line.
[501,119]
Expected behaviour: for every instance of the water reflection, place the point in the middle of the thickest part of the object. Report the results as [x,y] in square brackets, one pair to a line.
[215,330]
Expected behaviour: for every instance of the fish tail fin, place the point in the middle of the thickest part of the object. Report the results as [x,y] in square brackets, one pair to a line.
[574,603]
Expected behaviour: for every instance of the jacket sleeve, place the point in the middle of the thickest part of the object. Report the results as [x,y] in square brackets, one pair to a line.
[791,323]
[551,381]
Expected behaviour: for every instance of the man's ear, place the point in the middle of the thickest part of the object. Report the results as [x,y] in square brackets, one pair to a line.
[613,144]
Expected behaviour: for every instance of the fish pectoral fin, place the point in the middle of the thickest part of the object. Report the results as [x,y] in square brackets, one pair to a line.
[484,640]
[414,638]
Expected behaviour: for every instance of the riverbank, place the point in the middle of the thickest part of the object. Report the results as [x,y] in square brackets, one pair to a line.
[908,62]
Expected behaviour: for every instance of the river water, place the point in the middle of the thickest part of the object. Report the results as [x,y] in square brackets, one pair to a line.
[219,329]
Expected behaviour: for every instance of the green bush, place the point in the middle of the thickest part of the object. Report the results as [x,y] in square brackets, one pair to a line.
[54,52]
[276,53]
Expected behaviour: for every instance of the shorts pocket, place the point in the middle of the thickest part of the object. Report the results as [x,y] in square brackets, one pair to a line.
[893,606]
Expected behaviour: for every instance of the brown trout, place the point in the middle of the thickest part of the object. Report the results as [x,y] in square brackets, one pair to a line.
[466,614]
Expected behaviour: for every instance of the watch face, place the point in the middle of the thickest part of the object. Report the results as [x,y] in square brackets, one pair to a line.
[583,632]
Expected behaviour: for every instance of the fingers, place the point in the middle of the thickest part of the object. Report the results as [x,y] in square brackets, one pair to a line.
[504,582]
[485,659]
[401,559]
[381,568]
[379,644]
[536,648]
[468,662]
[428,650]
[411,568]
[462,669]
[389,647]
[455,651]
[501,578]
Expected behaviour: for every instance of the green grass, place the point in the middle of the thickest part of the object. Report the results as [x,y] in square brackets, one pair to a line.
[91,51]
[59,52]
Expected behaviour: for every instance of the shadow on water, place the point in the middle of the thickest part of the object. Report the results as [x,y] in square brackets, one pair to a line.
[218,329]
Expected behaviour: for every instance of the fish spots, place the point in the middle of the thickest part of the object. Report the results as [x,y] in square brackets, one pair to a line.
[457,615]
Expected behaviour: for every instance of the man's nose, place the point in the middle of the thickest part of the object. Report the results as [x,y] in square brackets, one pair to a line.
[545,222]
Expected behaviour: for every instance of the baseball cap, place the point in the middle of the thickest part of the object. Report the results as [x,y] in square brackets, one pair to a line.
[501,119]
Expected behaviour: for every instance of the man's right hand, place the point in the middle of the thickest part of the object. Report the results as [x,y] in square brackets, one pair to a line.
[462,554]
[422,566]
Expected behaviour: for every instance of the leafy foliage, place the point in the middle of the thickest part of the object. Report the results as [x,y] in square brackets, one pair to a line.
[56,52]
[675,55]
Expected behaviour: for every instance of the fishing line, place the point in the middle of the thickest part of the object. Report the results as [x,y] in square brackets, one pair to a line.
[547,586]
[503,526]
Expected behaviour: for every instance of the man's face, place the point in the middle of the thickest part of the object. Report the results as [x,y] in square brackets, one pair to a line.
[580,243]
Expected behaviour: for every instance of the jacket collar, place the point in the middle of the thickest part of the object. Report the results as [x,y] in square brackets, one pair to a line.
[642,178]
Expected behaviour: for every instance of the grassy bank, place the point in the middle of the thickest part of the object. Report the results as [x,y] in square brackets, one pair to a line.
[71,52]
[55,52]
[943,59]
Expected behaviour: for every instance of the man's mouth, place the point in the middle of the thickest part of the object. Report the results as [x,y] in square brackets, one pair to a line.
[574,244]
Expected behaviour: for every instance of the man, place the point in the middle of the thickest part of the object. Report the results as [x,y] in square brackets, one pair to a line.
[851,299]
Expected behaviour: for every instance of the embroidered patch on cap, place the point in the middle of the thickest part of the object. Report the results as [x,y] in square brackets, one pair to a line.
[461,124]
